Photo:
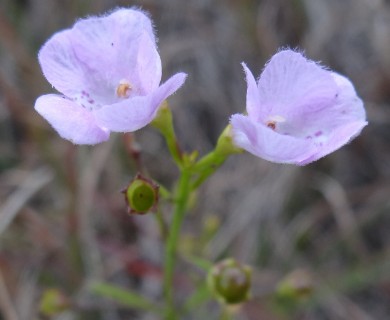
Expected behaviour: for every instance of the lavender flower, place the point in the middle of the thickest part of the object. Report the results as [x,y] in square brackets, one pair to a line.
[109,72]
[298,112]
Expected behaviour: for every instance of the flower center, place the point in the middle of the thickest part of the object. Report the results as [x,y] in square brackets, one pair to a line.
[271,124]
[273,121]
[124,89]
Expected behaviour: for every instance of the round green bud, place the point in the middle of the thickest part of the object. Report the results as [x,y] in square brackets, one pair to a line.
[141,195]
[53,302]
[230,281]
[298,284]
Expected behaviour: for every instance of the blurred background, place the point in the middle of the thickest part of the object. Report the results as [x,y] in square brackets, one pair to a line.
[325,227]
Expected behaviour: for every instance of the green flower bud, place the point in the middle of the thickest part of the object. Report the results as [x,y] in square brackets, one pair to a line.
[230,281]
[164,123]
[298,284]
[53,302]
[141,195]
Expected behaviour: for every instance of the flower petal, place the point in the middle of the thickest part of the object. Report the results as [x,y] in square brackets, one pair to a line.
[349,104]
[338,138]
[291,85]
[268,144]
[346,108]
[72,122]
[148,66]
[60,65]
[168,88]
[135,113]
[252,96]
[113,46]
[99,52]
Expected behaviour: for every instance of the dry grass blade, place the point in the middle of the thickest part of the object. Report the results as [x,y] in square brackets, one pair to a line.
[6,305]
[31,185]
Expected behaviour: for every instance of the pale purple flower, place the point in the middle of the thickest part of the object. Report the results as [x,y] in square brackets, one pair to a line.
[108,71]
[297,111]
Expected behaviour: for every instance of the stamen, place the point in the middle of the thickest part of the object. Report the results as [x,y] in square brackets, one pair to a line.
[124,88]
[271,123]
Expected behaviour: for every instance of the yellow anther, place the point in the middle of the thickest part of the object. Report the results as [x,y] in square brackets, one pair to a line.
[124,88]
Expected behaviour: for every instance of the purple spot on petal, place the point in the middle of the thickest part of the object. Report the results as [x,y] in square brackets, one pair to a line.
[91,101]
[84,93]
[309,137]
[318,133]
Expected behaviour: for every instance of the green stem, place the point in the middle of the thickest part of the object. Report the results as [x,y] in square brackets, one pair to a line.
[225,313]
[174,148]
[161,224]
[207,166]
[183,192]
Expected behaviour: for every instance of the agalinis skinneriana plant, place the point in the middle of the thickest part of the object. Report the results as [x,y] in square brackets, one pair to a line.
[108,72]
